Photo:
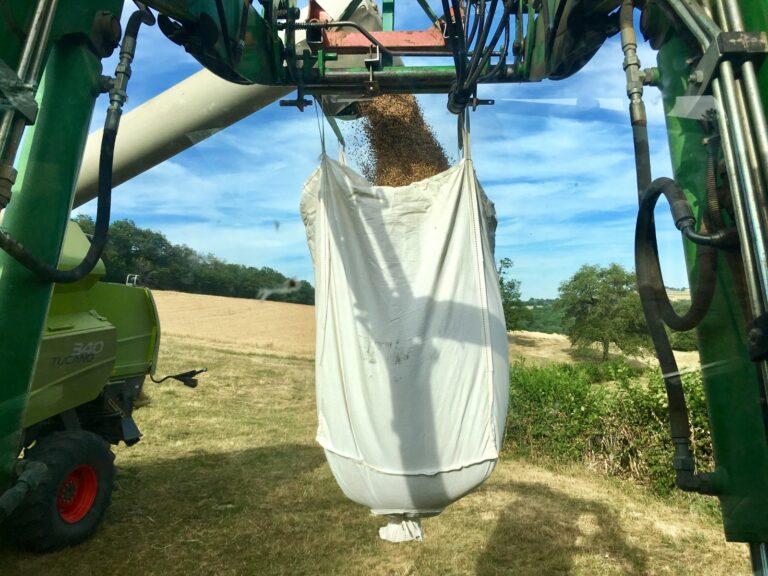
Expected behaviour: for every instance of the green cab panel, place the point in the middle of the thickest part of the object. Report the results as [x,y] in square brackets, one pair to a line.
[76,358]
[132,311]
[95,333]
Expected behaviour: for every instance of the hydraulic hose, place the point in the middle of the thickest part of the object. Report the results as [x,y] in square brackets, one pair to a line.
[637,111]
[647,256]
[31,473]
[118,96]
[658,311]
[657,308]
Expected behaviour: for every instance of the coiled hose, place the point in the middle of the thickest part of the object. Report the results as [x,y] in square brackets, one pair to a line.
[658,312]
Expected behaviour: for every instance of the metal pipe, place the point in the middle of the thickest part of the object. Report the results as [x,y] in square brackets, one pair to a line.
[336,24]
[752,157]
[177,119]
[731,15]
[690,22]
[21,69]
[755,106]
[720,9]
[710,28]
[755,220]
[13,124]
[754,293]
[747,252]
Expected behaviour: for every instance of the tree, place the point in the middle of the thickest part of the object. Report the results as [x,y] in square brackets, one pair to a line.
[601,305]
[516,314]
[166,266]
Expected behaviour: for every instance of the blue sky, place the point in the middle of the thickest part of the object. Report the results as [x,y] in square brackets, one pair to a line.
[555,157]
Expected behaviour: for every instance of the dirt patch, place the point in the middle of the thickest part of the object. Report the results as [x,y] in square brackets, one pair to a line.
[539,347]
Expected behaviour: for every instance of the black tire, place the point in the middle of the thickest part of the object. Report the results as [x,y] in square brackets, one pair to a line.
[69,504]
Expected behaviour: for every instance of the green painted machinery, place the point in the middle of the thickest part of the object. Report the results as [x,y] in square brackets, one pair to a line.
[99,342]
[96,334]
[711,58]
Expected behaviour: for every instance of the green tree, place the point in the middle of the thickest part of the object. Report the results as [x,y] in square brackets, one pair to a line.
[516,313]
[166,266]
[601,305]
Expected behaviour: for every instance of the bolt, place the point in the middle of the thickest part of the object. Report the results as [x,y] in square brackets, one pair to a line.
[696,77]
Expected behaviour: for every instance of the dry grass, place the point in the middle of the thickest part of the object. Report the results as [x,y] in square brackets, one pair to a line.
[542,348]
[250,325]
[228,481]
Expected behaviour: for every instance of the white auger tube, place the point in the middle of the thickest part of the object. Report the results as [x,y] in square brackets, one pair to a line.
[192,110]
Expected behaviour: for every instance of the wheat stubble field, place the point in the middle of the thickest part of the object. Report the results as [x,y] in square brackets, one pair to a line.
[228,481]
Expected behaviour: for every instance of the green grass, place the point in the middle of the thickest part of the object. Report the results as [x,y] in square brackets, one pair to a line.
[229,481]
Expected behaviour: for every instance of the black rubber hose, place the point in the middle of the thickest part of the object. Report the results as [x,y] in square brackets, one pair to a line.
[658,310]
[503,26]
[479,46]
[502,57]
[451,32]
[45,271]
[647,255]
[471,32]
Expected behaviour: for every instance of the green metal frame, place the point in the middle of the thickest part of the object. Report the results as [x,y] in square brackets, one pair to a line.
[731,381]
[43,196]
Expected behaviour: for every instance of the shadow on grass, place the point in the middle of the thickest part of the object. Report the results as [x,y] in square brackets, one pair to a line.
[548,532]
[246,512]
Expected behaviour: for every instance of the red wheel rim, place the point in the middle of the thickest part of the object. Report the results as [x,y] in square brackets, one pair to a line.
[77,493]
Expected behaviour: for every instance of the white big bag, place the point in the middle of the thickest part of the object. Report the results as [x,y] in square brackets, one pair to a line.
[412,365]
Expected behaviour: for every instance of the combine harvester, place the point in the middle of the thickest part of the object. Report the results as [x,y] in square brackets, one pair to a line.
[710,64]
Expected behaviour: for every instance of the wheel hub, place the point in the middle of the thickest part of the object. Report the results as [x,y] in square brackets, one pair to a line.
[77,493]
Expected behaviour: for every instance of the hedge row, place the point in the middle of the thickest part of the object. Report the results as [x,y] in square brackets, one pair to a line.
[610,416]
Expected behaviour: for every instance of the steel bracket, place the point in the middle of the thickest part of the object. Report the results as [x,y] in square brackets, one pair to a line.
[17,95]
[738,46]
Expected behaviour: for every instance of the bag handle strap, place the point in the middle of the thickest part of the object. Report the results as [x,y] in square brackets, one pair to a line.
[336,130]
[320,125]
[464,135]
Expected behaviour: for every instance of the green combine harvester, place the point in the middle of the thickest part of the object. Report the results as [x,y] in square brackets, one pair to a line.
[75,351]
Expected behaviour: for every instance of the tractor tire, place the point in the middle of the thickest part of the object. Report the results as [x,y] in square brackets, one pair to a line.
[69,504]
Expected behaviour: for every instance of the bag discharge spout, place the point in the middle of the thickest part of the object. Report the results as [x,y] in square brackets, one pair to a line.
[411,357]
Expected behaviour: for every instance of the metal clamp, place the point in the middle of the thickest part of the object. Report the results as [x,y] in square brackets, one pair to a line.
[373,62]
[728,46]
[18,95]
